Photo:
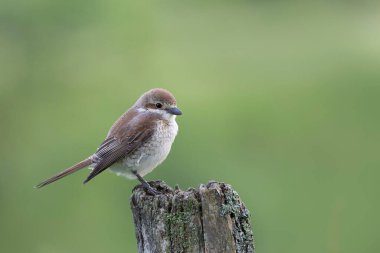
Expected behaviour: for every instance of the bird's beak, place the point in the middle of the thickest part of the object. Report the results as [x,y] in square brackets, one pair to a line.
[174,111]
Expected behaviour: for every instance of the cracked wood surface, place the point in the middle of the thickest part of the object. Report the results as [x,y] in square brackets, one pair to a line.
[209,219]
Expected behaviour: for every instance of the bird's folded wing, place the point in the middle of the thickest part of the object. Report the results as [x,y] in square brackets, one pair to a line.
[114,149]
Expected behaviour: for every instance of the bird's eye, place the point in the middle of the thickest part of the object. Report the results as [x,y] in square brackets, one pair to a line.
[158,105]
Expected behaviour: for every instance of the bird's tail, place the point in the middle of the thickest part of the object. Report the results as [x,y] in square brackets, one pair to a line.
[66,172]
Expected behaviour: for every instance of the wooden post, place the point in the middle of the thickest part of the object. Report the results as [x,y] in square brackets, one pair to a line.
[209,219]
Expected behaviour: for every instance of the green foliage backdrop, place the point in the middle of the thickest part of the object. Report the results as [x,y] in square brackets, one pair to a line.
[280,99]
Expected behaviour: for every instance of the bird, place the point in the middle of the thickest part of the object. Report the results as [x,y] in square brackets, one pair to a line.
[137,142]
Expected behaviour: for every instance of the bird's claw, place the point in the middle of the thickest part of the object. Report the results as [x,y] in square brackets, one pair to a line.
[151,190]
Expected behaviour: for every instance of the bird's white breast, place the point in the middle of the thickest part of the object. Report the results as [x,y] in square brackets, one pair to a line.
[151,154]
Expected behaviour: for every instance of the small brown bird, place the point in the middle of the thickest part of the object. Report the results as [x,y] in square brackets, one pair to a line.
[136,143]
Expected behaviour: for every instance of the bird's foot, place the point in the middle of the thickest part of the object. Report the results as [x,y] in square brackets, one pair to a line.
[146,185]
[149,189]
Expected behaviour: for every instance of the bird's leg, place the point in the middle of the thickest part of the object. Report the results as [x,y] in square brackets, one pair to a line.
[146,185]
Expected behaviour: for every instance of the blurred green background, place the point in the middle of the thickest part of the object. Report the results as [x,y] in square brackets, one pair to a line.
[280,98]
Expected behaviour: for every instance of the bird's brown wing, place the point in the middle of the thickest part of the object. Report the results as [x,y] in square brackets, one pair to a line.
[115,148]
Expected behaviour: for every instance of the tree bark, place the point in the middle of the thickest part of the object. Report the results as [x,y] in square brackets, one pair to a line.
[209,219]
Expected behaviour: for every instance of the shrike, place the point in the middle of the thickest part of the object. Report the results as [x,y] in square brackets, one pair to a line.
[136,143]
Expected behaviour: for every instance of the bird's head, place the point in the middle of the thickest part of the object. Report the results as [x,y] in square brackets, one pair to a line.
[158,101]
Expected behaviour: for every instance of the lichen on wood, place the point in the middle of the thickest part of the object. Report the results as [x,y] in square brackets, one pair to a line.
[209,219]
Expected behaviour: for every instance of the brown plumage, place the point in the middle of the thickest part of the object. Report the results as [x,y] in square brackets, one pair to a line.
[137,142]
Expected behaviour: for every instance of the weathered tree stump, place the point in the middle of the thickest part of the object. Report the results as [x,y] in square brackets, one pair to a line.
[209,219]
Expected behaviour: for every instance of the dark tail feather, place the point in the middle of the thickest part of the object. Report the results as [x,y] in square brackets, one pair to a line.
[66,172]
